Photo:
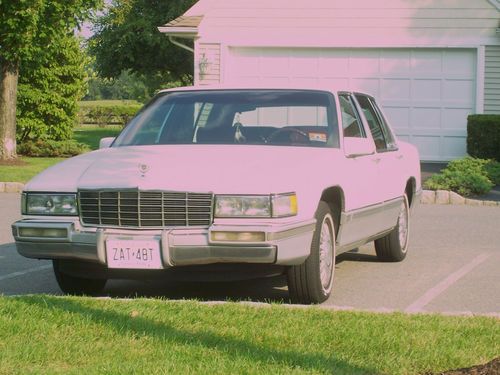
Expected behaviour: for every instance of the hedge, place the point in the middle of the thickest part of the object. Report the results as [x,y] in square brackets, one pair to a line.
[483,136]
[104,113]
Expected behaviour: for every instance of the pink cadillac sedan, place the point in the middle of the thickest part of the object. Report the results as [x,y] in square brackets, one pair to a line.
[227,182]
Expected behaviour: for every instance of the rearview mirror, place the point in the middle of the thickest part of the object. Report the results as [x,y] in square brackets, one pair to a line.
[354,147]
[106,142]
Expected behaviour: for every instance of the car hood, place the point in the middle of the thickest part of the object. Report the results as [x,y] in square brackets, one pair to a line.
[209,168]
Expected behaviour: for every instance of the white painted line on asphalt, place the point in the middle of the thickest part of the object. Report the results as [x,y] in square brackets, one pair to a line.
[432,293]
[21,273]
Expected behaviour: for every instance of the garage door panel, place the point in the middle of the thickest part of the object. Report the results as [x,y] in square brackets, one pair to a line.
[426,118]
[395,89]
[276,80]
[333,63]
[395,63]
[426,63]
[274,63]
[369,85]
[304,64]
[459,63]
[454,147]
[311,81]
[459,91]
[428,146]
[404,138]
[426,93]
[335,82]
[399,117]
[456,118]
[364,63]
[428,90]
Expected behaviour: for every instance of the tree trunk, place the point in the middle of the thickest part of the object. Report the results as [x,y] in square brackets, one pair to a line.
[8,96]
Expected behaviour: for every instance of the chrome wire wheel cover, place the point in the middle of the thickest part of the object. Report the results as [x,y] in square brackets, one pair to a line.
[403,225]
[326,253]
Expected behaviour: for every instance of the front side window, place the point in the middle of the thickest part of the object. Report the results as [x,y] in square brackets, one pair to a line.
[351,123]
[262,117]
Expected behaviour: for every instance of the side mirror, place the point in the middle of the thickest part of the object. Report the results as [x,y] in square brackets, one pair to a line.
[106,142]
[354,147]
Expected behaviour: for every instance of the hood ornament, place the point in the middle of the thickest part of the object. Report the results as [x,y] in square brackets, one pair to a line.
[143,168]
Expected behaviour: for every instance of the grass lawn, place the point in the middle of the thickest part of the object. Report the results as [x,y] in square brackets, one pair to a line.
[23,173]
[49,335]
[90,135]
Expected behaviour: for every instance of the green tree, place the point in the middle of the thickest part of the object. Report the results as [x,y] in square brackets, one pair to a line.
[51,81]
[128,86]
[24,24]
[126,37]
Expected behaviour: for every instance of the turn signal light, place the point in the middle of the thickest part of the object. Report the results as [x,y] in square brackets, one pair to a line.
[238,236]
[43,232]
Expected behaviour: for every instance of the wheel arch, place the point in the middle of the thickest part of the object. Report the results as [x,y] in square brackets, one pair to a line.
[410,190]
[335,198]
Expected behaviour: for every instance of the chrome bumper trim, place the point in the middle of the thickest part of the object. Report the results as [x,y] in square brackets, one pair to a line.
[285,244]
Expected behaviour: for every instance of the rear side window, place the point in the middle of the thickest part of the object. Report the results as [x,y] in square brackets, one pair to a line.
[384,141]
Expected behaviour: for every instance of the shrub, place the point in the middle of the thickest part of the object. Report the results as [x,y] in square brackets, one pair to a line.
[493,171]
[483,136]
[103,113]
[467,176]
[49,148]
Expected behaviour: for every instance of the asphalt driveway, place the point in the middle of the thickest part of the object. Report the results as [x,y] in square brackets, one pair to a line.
[452,267]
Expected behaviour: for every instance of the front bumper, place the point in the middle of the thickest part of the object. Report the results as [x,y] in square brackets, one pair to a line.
[283,244]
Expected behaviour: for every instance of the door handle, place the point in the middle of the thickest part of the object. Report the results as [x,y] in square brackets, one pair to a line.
[376,160]
[400,156]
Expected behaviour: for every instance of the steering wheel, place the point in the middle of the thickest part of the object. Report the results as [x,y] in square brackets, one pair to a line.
[289,130]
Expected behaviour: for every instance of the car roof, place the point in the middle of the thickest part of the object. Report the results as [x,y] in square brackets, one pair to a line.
[258,87]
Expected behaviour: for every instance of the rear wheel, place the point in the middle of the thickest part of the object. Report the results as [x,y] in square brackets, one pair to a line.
[77,285]
[312,281]
[394,246]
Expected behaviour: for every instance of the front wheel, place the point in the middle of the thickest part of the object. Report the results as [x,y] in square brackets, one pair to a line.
[312,281]
[394,246]
[77,285]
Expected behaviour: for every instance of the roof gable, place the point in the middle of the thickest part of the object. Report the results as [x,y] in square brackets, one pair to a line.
[341,23]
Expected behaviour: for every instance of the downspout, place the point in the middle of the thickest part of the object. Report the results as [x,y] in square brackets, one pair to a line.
[178,44]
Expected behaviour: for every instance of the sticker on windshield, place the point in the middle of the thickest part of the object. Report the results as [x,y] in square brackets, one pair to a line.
[317,137]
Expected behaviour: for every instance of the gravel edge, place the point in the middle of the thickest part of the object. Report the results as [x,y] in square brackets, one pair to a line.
[428,196]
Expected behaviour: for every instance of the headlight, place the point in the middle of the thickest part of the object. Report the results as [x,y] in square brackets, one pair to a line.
[49,204]
[243,206]
[258,206]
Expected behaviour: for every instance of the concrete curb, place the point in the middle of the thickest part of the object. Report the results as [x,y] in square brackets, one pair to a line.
[11,187]
[428,196]
[445,197]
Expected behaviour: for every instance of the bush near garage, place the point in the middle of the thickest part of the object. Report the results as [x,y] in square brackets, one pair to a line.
[467,176]
[103,113]
[483,136]
[45,147]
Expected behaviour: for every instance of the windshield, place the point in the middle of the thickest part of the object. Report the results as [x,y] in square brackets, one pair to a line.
[259,117]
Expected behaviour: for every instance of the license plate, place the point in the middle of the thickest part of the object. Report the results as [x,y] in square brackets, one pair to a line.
[133,254]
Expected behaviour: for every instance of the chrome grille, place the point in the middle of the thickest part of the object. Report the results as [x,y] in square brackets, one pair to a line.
[145,209]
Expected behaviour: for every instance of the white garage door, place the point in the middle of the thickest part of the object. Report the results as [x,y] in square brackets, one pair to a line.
[426,93]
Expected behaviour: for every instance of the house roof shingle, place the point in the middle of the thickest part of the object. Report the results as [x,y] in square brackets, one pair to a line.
[185,21]
[183,26]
